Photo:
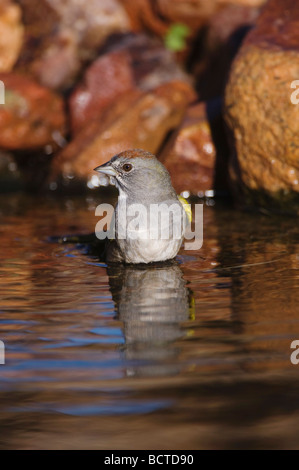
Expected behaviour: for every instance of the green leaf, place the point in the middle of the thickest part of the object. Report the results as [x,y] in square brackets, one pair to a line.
[175,38]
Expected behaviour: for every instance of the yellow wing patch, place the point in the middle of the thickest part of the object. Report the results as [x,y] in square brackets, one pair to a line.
[187,207]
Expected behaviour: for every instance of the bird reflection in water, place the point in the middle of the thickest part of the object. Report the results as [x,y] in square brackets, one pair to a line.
[152,301]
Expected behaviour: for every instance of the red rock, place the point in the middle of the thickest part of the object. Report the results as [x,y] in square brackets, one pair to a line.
[62,36]
[259,111]
[128,62]
[135,120]
[32,116]
[11,37]
[191,156]
[106,79]
[63,162]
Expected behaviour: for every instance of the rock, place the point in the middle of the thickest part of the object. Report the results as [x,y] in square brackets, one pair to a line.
[259,111]
[64,163]
[191,156]
[11,37]
[128,62]
[62,36]
[105,80]
[32,117]
[136,120]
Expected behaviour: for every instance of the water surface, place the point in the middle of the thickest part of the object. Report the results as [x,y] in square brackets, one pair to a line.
[187,355]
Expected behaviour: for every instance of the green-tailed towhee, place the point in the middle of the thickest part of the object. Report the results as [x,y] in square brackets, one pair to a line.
[144,186]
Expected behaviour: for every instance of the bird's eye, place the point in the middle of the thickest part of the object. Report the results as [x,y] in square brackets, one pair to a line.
[127,167]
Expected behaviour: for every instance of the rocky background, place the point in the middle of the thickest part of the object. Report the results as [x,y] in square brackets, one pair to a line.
[203,84]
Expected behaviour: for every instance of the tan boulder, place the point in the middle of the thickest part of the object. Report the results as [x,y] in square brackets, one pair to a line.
[259,111]
[11,34]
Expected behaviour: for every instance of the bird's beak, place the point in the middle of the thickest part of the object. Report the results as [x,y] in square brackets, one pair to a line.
[106,169]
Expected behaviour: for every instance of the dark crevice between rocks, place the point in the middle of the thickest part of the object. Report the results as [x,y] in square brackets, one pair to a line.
[219,137]
[214,66]
[166,142]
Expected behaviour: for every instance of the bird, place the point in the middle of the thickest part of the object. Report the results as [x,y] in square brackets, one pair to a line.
[144,183]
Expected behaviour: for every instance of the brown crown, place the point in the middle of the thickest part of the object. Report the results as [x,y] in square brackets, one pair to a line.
[135,153]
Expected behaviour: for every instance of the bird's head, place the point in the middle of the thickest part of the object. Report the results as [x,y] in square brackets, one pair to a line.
[139,174]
